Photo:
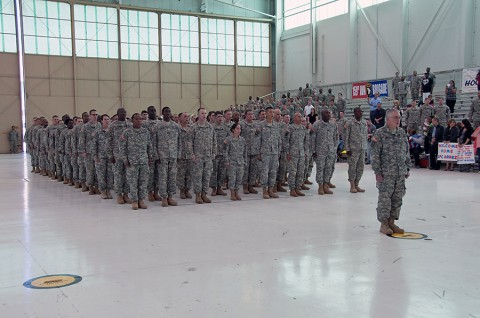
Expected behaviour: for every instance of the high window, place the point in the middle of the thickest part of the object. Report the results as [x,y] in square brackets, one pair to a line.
[217,39]
[253,44]
[8,42]
[180,38]
[139,35]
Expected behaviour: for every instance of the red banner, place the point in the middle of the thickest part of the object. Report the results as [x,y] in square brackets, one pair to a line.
[359,90]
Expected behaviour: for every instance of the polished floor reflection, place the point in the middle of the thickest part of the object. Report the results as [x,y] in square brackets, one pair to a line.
[318,256]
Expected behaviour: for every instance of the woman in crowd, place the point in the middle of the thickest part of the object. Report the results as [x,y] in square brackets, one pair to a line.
[451,135]
[476,144]
[235,160]
[312,117]
[465,139]
[451,95]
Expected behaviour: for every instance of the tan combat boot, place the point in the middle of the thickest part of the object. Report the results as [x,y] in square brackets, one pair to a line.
[214,192]
[142,204]
[92,190]
[293,193]
[187,194]
[150,196]
[232,195]
[299,193]
[60,179]
[156,196]
[220,192]
[182,194]
[393,227]
[37,170]
[308,182]
[252,190]
[326,189]
[384,228]
[205,198]
[245,189]
[265,193]
[331,185]
[103,195]
[171,201]
[135,205]
[120,199]
[358,188]
[352,187]
[84,187]
[304,187]
[77,185]
[320,189]
[97,190]
[271,193]
[164,202]
[126,199]
[66,181]
[280,188]
[198,198]
[237,195]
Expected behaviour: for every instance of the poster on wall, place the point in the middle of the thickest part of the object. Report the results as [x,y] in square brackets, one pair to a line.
[469,83]
[368,89]
[447,151]
[466,155]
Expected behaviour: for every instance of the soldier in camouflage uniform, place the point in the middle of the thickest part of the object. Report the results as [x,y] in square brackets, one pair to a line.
[391,165]
[85,146]
[51,135]
[333,109]
[136,152]
[282,161]
[217,178]
[355,137]
[296,144]
[395,82]
[402,90]
[474,114]
[75,158]
[204,145]
[184,163]
[235,154]
[60,143]
[341,105]
[426,111]
[153,175]
[308,151]
[412,117]
[270,146]
[324,145]
[119,170]
[42,142]
[80,151]
[30,146]
[168,146]
[415,84]
[65,145]
[102,155]
[441,112]
[251,133]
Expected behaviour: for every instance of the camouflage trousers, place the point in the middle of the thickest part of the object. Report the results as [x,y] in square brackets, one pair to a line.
[137,178]
[13,146]
[51,163]
[251,167]
[74,163]
[167,176]
[296,172]
[414,94]
[356,164]
[120,177]
[42,161]
[82,173]
[308,166]
[184,174]
[282,166]
[218,172]
[59,164]
[325,163]
[235,176]
[402,98]
[33,158]
[91,175]
[269,168]
[67,167]
[104,170]
[153,176]
[202,170]
[390,194]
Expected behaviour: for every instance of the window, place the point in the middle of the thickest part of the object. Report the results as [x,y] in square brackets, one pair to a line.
[96,31]
[8,41]
[139,35]
[217,41]
[180,38]
[253,44]
[330,8]
[296,13]
[46,27]
[369,3]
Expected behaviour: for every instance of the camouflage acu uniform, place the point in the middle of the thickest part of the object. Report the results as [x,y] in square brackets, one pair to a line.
[425,112]
[102,155]
[136,147]
[78,160]
[30,145]
[341,105]
[324,145]
[412,118]
[59,156]
[395,82]
[252,140]
[442,113]
[51,135]
[153,173]
[270,146]
[282,161]
[235,154]
[219,172]
[85,145]
[296,144]
[204,145]
[474,114]
[355,137]
[402,90]
[333,110]
[391,159]
[308,155]
[184,163]
[116,130]
[168,146]
[66,141]
[415,84]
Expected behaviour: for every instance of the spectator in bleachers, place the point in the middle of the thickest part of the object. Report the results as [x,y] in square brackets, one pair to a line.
[476,144]
[465,138]
[434,136]
[373,105]
[313,116]
[415,142]
[371,130]
[474,114]
[450,135]
[379,116]
[451,95]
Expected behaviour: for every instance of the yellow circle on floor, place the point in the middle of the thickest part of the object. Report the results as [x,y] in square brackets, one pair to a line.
[409,236]
[52,281]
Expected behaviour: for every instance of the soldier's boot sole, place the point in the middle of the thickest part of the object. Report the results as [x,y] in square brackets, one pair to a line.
[120,199]
[394,227]
[164,202]
[92,190]
[150,196]
[308,182]
[214,192]
[198,198]
[320,190]
[97,190]
[171,201]
[265,193]
[280,188]
[220,191]
[77,185]
[385,229]
[252,190]
[142,204]
[331,185]
[237,195]
[187,194]
[358,188]
[352,187]
[299,193]
[103,195]
[245,189]
[304,187]
[84,187]
[127,199]
[271,193]
[135,206]
[326,189]
[293,193]
[156,196]
[232,195]
[205,198]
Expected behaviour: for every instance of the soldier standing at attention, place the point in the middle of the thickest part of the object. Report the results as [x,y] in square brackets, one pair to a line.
[250,132]
[412,117]
[341,104]
[222,131]
[415,84]
[136,152]
[80,150]
[395,81]
[204,145]
[74,151]
[355,144]
[51,135]
[85,145]
[235,158]
[270,144]
[474,114]
[150,123]
[324,145]
[296,152]
[391,165]
[116,130]
[168,145]
[282,161]
[102,155]
[13,139]
[66,142]
[184,163]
